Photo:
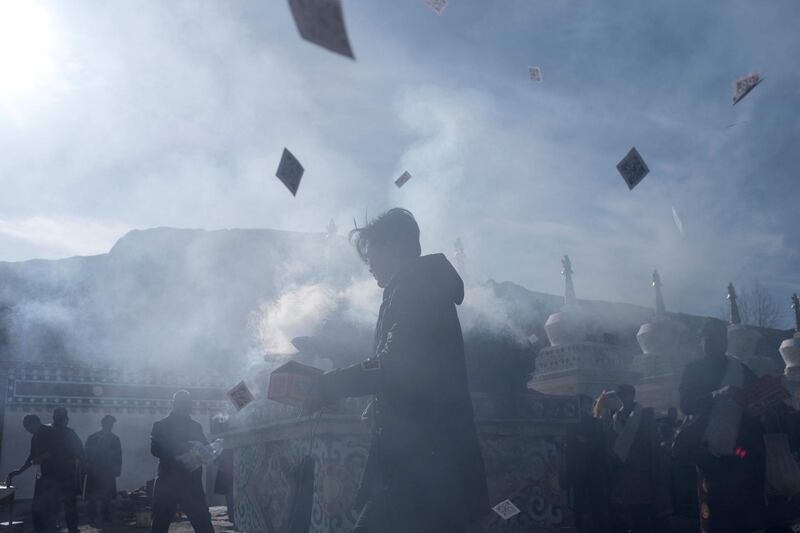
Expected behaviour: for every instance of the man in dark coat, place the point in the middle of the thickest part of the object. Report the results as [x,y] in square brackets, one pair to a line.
[40,441]
[730,453]
[640,498]
[60,470]
[180,475]
[425,472]
[103,463]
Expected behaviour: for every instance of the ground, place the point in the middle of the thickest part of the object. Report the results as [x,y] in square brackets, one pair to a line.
[218,517]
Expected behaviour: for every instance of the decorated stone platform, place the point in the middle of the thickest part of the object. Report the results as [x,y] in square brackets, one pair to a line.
[523,456]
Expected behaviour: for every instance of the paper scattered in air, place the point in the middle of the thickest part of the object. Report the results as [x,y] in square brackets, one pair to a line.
[437,5]
[240,395]
[632,168]
[290,171]
[677,220]
[322,23]
[533,339]
[506,509]
[742,86]
[535,73]
[404,177]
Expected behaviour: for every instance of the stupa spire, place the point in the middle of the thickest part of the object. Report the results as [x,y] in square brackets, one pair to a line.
[569,287]
[661,310]
[796,307]
[735,317]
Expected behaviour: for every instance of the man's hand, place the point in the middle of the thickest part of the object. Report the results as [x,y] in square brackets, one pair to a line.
[11,476]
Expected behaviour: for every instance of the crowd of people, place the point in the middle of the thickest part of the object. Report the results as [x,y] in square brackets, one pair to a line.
[68,468]
[628,470]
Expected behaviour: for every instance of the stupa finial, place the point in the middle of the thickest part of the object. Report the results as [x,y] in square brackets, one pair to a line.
[735,317]
[796,307]
[661,310]
[569,287]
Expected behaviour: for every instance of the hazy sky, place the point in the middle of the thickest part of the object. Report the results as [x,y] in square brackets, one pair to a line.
[120,115]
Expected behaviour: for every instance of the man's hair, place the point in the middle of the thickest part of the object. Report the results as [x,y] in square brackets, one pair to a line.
[108,419]
[60,413]
[30,419]
[396,227]
[623,389]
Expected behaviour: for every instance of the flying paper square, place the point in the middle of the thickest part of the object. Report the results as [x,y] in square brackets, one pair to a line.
[290,171]
[535,73]
[437,5]
[742,86]
[404,177]
[506,509]
[240,395]
[632,168]
[322,23]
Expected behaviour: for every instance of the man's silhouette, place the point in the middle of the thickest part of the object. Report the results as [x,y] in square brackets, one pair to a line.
[60,469]
[103,463]
[179,482]
[424,472]
[38,452]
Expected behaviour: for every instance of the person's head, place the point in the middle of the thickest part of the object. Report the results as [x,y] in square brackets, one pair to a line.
[107,423]
[31,423]
[60,417]
[627,394]
[387,242]
[182,403]
[714,338]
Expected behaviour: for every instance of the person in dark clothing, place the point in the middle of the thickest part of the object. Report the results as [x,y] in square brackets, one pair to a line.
[424,472]
[60,479]
[223,484]
[38,452]
[640,498]
[586,471]
[103,464]
[730,455]
[180,478]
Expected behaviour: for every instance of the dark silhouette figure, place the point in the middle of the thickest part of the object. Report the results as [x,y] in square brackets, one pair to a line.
[586,471]
[640,497]
[38,452]
[425,472]
[179,482]
[102,464]
[726,444]
[60,479]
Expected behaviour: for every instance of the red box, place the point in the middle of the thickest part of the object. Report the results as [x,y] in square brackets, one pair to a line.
[291,383]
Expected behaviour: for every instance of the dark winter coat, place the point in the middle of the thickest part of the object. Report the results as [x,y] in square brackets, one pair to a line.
[169,439]
[425,457]
[64,451]
[103,464]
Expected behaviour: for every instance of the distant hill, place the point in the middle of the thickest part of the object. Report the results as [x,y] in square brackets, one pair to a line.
[178,297]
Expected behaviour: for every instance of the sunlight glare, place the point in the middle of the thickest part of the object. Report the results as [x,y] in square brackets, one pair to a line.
[26,47]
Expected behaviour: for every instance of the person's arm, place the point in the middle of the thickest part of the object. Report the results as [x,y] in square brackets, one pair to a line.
[14,473]
[116,448]
[402,358]
[158,445]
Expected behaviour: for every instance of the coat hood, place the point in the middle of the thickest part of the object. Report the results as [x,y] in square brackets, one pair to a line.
[436,273]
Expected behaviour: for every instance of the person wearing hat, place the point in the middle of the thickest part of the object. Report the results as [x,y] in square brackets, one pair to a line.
[103,463]
[180,480]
